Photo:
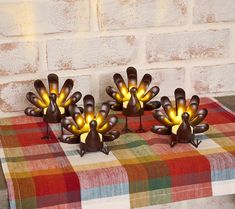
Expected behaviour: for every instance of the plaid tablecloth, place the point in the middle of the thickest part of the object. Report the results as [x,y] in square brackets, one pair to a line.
[140,170]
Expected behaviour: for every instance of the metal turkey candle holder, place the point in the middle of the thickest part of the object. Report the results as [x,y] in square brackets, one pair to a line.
[52,106]
[133,100]
[90,129]
[181,122]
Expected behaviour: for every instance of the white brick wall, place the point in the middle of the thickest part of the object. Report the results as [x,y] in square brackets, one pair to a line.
[209,11]
[187,45]
[18,58]
[121,15]
[43,17]
[217,78]
[182,43]
[84,53]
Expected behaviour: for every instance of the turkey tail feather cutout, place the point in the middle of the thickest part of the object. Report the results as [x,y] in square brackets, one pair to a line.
[110,136]
[89,108]
[144,83]
[180,101]
[73,99]
[150,94]
[33,111]
[34,100]
[114,94]
[193,106]
[157,114]
[120,83]
[152,105]
[181,121]
[42,91]
[65,91]
[132,77]
[201,128]
[89,128]
[107,126]
[102,114]
[161,131]
[53,82]
[199,117]
[168,108]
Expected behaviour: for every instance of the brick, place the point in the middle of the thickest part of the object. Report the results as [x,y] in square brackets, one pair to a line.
[106,79]
[82,83]
[213,79]
[209,11]
[13,94]
[37,17]
[91,52]
[18,58]
[187,45]
[125,14]
[166,79]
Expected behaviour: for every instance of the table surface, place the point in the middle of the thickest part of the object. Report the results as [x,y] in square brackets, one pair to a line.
[228,101]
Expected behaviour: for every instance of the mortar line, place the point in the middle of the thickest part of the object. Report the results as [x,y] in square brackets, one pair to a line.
[111,69]
[94,34]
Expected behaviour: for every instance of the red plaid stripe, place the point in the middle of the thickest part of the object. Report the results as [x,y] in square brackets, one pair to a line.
[45,177]
[40,174]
